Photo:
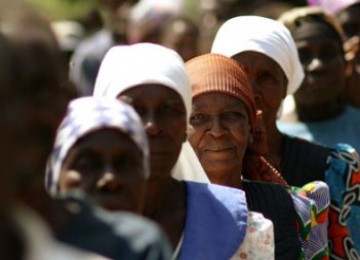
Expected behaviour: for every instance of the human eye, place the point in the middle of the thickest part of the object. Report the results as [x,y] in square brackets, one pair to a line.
[233,116]
[330,52]
[267,76]
[198,118]
[172,108]
[86,162]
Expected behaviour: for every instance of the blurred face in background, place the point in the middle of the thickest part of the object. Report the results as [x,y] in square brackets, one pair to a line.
[322,57]
[108,166]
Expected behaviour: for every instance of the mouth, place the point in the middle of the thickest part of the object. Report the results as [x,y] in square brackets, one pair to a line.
[217,149]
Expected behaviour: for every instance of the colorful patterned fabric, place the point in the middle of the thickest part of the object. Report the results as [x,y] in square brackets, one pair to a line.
[343,178]
[88,114]
[312,206]
[259,239]
[338,167]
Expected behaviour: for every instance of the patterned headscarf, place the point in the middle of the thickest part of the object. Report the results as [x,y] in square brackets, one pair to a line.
[263,35]
[124,67]
[86,115]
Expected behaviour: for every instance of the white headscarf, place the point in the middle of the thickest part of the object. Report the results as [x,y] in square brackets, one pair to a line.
[125,67]
[263,35]
[85,115]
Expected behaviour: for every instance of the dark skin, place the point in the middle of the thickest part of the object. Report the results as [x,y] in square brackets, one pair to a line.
[35,105]
[269,84]
[164,117]
[322,57]
[108,166]
[220,136]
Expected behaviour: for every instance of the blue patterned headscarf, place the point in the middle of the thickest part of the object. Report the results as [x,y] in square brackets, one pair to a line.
[86,115]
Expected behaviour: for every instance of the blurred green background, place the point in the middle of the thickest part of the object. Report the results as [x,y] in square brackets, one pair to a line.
[75,9]
[64,9]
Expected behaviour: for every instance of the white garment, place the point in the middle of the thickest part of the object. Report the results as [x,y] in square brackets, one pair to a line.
[188,167]
[259,241]
[40,244]
[263,35]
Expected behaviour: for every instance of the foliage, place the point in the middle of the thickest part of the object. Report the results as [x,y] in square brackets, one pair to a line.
[64,9]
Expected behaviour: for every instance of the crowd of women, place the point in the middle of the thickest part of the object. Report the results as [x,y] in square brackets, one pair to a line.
[152,149]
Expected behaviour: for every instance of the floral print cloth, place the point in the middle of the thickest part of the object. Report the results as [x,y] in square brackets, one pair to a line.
[259,239]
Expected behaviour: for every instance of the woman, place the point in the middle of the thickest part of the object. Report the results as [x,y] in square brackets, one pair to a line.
[268,53]
[101,150]
[153,80]
[224,130]
[320,112]
[104,153]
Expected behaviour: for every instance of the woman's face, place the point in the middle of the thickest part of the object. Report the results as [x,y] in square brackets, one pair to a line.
[267,80]
[108,166]
[322,58]
[164,117]
[221,133]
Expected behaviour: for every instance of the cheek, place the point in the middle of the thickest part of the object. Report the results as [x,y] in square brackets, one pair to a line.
[70,179]
[194,137]
[242,136]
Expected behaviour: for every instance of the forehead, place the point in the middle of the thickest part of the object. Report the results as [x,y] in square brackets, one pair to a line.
[251,60]
[312,29]
[151,92]
[105,137]
[215,99]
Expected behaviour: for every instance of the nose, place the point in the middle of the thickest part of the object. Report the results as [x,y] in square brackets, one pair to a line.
[216,129]
[108,181]
[315,65]
[151,125]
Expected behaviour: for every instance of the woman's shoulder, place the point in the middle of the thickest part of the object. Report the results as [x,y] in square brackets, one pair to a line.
[216,221]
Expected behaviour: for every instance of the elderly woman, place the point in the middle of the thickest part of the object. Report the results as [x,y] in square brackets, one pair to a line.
[267,51]
[203,221]
[102,149]
[225,134]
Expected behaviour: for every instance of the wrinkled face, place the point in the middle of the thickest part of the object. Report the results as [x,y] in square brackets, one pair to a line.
[323,61]
[267,80]
[164,117]
[108,166]
[221,133]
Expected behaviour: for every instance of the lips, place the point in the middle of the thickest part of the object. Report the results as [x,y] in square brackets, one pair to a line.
[217,149]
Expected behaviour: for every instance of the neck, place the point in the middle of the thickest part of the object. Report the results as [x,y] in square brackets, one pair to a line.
[157,194]
[230,179]
[274,142]
[166,205]
[319,112]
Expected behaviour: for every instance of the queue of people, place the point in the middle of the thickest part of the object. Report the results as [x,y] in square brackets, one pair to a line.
[154,148]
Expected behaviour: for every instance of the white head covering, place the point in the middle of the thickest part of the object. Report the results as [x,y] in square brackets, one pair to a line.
[125,67]
[263,35]
[85,115]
